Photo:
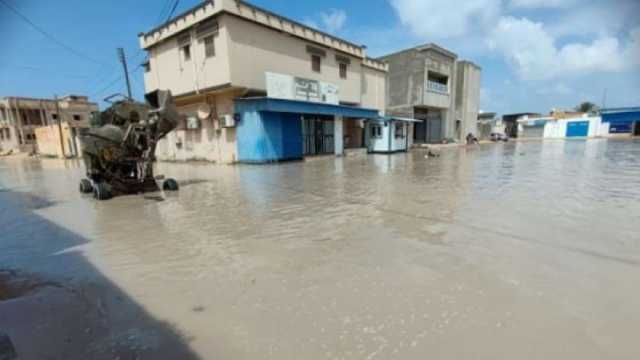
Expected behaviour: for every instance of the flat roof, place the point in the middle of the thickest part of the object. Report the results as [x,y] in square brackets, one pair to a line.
[303,107]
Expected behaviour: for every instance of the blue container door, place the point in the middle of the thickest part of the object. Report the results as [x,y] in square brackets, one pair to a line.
[578,129]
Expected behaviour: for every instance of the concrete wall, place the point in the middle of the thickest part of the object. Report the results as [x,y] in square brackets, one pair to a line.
[374,87]
[211,142]
[467,98]
[558,129]
[169,70]
[48,140]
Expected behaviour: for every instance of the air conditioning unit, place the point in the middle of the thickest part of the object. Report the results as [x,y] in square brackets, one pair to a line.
[228,121]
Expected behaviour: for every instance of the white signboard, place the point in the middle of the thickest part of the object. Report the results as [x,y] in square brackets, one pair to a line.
[281,86]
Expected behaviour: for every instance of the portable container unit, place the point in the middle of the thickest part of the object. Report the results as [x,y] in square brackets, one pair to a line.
[389,134]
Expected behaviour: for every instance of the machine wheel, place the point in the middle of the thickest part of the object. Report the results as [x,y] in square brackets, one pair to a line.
[85,186]
[170,185]
[102,192]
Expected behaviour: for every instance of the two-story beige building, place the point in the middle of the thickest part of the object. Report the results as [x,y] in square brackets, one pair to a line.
[22,118]
[257,87]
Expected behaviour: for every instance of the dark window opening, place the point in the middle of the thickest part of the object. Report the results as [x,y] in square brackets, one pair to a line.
[186,52]
[343,70]
[209,47]
[400,131]
[316,63]
[54,116]
[77,117]
[376,131]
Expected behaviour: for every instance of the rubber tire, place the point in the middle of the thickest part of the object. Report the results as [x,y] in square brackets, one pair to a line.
[85,186]
[170,185]
[102,192]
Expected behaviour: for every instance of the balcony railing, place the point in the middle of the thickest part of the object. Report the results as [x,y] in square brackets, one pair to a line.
[437,87]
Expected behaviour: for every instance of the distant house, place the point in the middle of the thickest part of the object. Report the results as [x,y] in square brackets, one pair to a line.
[511,122]
[622,120]
[21,117]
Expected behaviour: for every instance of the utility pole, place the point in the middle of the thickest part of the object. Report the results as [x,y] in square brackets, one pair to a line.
[123,60]
[64,154]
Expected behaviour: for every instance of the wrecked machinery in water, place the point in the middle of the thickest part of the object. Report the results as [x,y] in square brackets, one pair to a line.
[119,150]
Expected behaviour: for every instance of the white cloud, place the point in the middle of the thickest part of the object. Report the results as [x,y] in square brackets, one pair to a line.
[533,53]
[333,20]
[535,4]
[446,18]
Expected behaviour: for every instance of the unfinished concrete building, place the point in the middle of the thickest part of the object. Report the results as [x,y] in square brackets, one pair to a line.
[422,85]
[20,117]
[467,99]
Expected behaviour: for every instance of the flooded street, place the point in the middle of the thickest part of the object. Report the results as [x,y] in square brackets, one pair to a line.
[526,250]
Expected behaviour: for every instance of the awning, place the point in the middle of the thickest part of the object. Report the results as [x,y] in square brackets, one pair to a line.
[302,107]
[396,118]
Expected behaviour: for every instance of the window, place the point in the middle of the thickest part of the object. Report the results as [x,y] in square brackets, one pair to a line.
[399,132]
[54,116]
[376,131]
[209,47]
[186,52]
[316,63]
[343,70]
[77,117]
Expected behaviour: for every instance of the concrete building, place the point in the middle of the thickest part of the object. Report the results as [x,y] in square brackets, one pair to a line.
[422,84]
[254,86]
[20,117]
[468,77]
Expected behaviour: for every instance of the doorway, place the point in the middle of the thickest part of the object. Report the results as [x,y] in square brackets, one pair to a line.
[430,129]
[318,135]
[636,128]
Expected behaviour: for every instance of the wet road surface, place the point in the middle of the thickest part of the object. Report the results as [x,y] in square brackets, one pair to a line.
[526,250]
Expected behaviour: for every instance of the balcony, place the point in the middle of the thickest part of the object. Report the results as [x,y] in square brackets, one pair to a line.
[437,87]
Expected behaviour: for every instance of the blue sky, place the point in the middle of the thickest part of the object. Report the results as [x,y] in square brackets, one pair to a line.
[535,54]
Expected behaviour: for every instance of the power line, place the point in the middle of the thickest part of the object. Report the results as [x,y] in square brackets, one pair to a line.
[49,36]
[173,10]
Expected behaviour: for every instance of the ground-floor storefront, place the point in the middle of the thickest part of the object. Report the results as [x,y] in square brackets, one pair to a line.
[272,130]
[432,127]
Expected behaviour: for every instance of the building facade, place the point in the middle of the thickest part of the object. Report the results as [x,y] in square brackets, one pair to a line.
[422,84]
[468,77]
[622,121]
[21,117]
[247,81]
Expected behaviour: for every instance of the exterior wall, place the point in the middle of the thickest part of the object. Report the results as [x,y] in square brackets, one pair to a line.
[48,138]
[255,50]
[621,122]
[558,129]
[467,98]
[269,137]
[209,143]
[398,143]
[374,87]
[168,70]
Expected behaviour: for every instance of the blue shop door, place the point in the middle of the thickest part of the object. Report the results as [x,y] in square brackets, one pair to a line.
[578,129]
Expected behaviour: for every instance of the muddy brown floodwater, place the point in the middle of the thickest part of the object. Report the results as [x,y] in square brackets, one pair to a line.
[526,250]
